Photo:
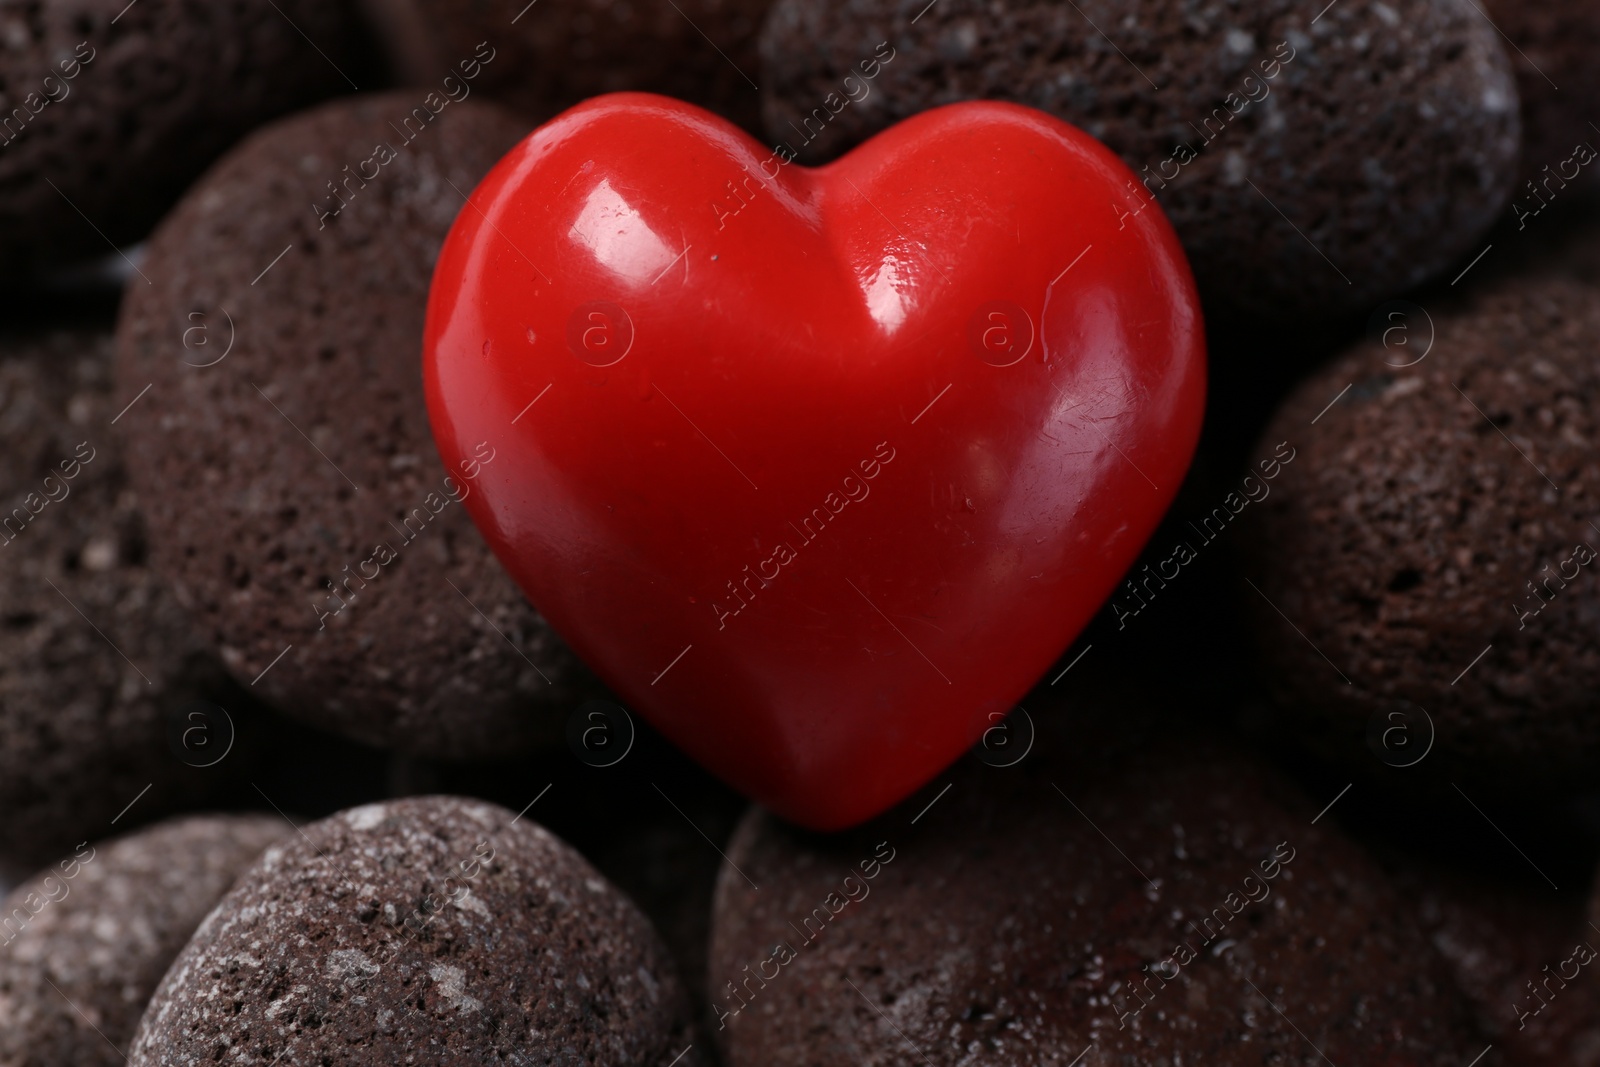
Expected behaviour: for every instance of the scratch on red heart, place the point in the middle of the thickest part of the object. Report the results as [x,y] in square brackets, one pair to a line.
[809,530]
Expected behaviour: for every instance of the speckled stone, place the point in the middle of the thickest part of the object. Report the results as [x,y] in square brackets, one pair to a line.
[1091,906]
[94,649]
[1383,146]
[295,497]
[1428,518]
[549,56]
[427,930]
[112,109]
[95,932]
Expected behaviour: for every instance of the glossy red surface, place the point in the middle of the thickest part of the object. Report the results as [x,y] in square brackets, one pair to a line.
[817,468]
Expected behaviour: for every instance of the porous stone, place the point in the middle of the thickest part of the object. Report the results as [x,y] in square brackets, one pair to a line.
[95,652]
[428,930]
[108,111]
[549,57]
[1312,163]
[1433,544]
[283,452]
[84,942]
[1131,892]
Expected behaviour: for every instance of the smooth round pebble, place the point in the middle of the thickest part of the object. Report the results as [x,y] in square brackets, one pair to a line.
[426,930]
[84,942]
[1433,544]
[545,58]
[1311,163]
[283,452]
[108,111]
[1151,898]
[95,652]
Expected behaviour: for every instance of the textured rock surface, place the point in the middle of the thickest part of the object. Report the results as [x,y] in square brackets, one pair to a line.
[550,56]
[95,933]
[431,930]
[94,650]
[1438,512]
[119,107]
[294,494]
[1200,917]
[1381,148]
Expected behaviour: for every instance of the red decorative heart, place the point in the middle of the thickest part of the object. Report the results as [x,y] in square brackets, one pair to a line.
[819,469]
